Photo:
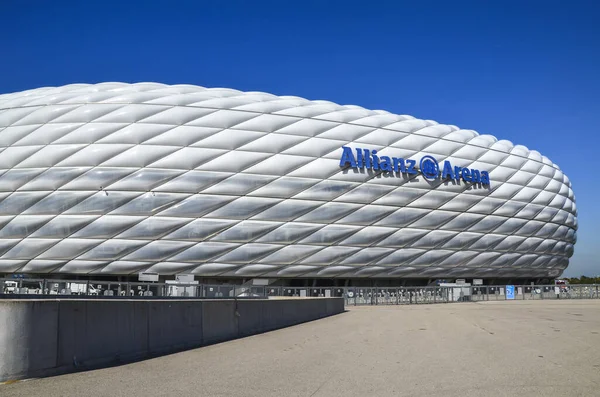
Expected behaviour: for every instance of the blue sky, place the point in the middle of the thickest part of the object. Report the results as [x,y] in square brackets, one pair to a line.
[526,71]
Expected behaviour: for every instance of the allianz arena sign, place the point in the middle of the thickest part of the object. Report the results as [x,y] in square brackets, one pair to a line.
[428,166]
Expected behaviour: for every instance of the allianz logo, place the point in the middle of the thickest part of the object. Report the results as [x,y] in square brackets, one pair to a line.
[428,166]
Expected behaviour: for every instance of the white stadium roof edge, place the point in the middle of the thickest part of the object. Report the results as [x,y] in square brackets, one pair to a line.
[116,178]
[252,101]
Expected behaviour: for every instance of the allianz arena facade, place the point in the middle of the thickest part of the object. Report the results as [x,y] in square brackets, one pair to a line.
[116,179]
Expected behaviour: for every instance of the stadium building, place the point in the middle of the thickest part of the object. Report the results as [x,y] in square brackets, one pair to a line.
[110,180]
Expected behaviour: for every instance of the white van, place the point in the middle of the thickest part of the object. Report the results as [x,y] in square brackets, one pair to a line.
[10,287]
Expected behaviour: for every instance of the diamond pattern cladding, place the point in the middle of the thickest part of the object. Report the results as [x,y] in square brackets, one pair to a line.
[118,178]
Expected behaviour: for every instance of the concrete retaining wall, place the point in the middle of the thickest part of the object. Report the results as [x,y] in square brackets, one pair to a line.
[46,337]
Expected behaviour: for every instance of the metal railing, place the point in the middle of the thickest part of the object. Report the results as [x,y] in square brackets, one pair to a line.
[353,296]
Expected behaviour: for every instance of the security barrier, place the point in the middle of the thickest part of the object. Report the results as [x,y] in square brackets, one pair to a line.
[353,296]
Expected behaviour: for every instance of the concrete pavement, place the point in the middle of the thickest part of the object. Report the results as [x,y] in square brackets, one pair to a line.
[542,348]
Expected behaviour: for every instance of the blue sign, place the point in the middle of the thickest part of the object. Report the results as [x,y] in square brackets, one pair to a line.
[428,166]
[430,169]
[510,292]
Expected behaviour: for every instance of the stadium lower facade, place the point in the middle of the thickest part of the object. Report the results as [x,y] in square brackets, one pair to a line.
[111,180]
